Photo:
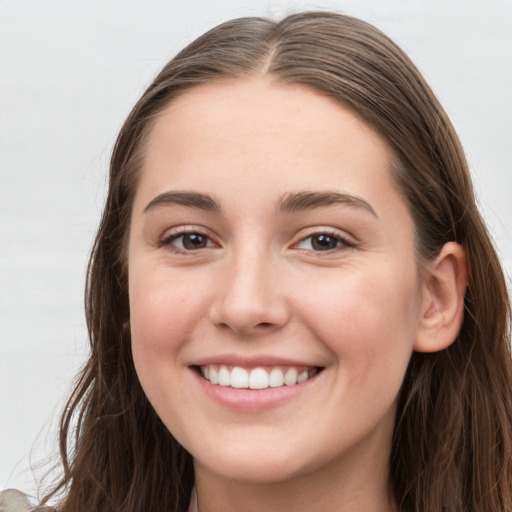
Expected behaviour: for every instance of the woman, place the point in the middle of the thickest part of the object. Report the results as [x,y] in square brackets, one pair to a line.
[293,302]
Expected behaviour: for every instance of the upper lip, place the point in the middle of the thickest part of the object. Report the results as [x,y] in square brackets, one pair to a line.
[252,361]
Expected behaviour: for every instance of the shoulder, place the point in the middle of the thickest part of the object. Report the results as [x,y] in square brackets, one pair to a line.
[12,500]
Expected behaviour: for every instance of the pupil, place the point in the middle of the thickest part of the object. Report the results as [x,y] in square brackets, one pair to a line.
[194,241]
[324,242]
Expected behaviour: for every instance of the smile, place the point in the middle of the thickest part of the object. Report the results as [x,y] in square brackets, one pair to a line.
[256,378]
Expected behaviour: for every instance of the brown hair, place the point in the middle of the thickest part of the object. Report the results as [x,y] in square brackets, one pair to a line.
[453,435]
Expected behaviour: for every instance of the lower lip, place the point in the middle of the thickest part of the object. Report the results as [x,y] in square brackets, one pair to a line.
[253,399]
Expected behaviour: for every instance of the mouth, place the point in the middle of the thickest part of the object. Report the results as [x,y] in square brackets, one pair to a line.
[261,377]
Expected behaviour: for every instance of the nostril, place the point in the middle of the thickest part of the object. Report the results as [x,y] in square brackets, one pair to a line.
[247,330]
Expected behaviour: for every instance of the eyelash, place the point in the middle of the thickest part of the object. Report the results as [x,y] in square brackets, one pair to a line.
[167,241]
[343,243]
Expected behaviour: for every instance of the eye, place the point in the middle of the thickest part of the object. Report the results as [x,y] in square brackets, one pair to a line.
[324,242]
[187,241]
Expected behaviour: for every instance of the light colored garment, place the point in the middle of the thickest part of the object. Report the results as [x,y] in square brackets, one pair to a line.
[12,500]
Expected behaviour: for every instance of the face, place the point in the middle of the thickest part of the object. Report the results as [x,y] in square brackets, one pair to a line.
[274,292]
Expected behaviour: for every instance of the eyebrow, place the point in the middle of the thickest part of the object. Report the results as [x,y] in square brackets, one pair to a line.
[190,199]
[289,203]
[301,201]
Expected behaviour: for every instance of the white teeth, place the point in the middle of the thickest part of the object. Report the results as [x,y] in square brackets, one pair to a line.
[275,379]
[214,378]
[239,378]
[224,376]
[256,378]
[290,377]
[303,376]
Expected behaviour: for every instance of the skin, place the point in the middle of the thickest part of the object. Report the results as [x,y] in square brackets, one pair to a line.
[260,286]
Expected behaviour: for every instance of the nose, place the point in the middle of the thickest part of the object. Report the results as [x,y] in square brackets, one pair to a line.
[250,300]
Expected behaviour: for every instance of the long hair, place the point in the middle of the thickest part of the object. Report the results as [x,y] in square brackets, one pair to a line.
[452,441]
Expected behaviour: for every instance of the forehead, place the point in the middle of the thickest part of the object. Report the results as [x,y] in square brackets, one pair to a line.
[255,108]
[256,136]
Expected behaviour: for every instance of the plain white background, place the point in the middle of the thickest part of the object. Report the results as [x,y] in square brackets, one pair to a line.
[70,72]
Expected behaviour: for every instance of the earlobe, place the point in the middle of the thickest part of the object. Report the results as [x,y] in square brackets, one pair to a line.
[445,283]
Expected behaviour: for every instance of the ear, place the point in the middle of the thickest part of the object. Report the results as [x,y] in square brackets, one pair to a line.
[444,287]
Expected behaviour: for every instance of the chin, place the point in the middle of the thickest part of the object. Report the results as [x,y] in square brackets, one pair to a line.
[256,465]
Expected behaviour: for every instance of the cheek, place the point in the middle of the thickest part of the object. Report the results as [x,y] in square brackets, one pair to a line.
[162,319]
[162,311]
[368,319]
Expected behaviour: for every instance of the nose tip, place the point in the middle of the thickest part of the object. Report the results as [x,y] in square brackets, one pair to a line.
[249,303]
[250,317]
